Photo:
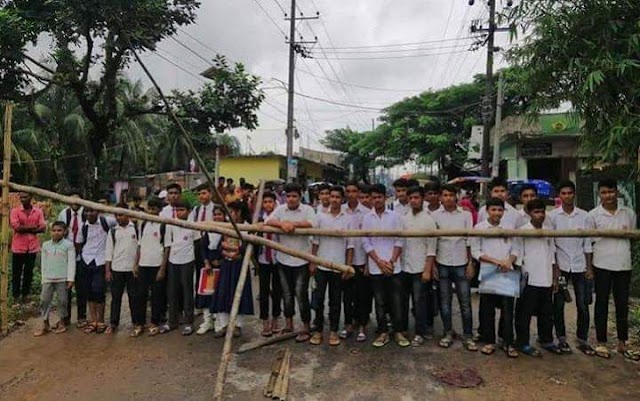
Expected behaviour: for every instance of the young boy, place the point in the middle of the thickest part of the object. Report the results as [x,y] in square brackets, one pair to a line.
[323,198]
[498,188]
[496,257]
[174,190]
[612,268]
[58,273]
[539,263]
[270,286]
[120,257]
[180,255]
[454,265]
[573,256]
[337,250]
[528,192]
[364,196]
[418,258]
[294,272]
[384,267]
[150,270]
[401,203]
[432,197]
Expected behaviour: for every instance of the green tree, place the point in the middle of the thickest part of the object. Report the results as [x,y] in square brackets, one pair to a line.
[346,141]
[586,53]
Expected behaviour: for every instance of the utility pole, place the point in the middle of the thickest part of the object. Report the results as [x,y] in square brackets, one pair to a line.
[495,165]
[294,47]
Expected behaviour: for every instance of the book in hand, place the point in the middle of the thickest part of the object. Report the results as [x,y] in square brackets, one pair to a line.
[498,282]
[208,281]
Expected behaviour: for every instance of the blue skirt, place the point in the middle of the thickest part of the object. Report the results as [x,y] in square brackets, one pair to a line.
[223,297]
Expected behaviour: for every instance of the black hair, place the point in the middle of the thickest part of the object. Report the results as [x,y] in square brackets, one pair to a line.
[528,187]
[203,187]
[566,184]
[221,178]
[293,187]
[400,182]
[174,185]
[181,203]
[379,189]
[269,194]
[323,187]
[122,205]
[415,189]
[412,182]
[60,224]
[337,188]
[432,186]
[365,188]
[352,183]
[608,183]
[497,182]
[230,180]
[536,204]
[494,202]
[155,202]
[136,198]
[248,186]
[240,207]
[449,188]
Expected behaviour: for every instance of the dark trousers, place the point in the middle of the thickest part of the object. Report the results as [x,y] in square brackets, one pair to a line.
[535,301]
[270,288]
[22,274]
[488,305]
[332,280]
[357,298]
[580,290]
[295,283]
[607,281]
[120,281]
[456,275]
[419,293]
[81,286]
[388,292]
[158,289]
[180,293]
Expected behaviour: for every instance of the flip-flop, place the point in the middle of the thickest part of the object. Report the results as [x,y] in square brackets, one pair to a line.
[381,341]
[530,351]
[82,324]
[631,355]
[470,345]
[90,328]
[565,348]
[361,337]
[602,352]
[554,349]
[316,338]
[586,349]
[61,328]
[445,342]
[344,334]
[488,349]
[511,352]
[42,332]
[303,337]
[334,341]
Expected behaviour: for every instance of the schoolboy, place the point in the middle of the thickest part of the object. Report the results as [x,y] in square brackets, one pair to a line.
[324,194]
[498,188]
[270,286]
[365,196]
[432,193]
[174,190]
[401,203]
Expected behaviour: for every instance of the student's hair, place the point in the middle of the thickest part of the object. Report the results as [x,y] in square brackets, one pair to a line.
[449,188]
[293,187]
[122,205]
[181,203]
[494,202]
[60,224]
[352,183]
[220,208]
[221,178]
[566,184]
[365,188]
[535,204]
[136,198]
[378,189]
[412,182]
[203,187]
[528,187]
[230,180]
[174,185]
[240,207]
[323,187]
[497,182]
[608,183]
[337,188]
[400,182]
[415,189]
[155,202]
[432,186]
[270,195]
[247,186]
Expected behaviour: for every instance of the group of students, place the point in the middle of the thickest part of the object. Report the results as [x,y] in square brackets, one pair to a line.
[400,277]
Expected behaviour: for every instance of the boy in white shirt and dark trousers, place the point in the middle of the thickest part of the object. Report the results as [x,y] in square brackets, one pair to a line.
[180,254]
[121,256]
[495,253]
[612,268]
[539,265]
[270,287]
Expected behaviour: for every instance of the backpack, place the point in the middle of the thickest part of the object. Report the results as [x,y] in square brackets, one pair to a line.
[68,217]
[163,229]
[113,234]
[85,229]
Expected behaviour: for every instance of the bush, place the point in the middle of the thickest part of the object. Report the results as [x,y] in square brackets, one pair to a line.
[634,320]
[635,275]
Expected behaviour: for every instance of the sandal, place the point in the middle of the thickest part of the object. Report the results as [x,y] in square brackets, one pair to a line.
[470,345]
[136,332]
[82,324]
[602,351]
[153,331]
[402,340]
[488,349]
[266,330]
[43,331]
[381,341]
[316,338]
[334,340]
[165,328]
[361,337]
[287,330]
[586,349]
[631,355]
[446,341]
[530,351]
[60,328]
[303,337]
[511,352]
[100,328]
[109,329]
[565,348]
[90,328]
[344,334]
[554,349]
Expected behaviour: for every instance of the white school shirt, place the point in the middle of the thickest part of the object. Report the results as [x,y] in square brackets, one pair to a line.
[416,250]
[612,254]
[168,212]
[359,255]
[497,248]
[262,256]
[122,254]
[538,256]
[389,220]
[299,242]
[205,211]
[151,244]
[62,216]
[452,251]
[333,249]
[570,252]
[431,212]
[180,241]
[96,241]
[401,209]
[510,220]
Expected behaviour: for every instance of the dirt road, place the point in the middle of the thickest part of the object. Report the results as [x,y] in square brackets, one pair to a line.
[76,366]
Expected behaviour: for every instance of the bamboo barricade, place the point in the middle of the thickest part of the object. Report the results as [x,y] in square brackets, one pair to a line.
[182,223]
[235,306]
[4,235]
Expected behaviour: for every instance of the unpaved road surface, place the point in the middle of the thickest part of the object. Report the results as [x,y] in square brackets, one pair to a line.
[76,366]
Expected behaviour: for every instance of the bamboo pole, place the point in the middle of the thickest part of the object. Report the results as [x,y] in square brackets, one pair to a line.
[4,241]
[182,223]
[235,306]
[275,371]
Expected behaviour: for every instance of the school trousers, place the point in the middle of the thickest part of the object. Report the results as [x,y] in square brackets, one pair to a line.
[420,295]
[607,281]
[295,283]
[357,298]
[580,286]
[488,305]
[81,286]
[270,288]
[534,301]
[158,290]
[332,280]
[119,282]
[180,293]
[388,292]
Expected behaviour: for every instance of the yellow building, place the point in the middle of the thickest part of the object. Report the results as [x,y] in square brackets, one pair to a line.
[272,167]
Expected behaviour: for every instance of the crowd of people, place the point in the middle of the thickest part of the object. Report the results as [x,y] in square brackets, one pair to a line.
[395,278]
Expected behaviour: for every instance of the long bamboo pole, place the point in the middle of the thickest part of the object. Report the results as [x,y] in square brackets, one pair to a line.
[235,306]
[182,223]
[4,241]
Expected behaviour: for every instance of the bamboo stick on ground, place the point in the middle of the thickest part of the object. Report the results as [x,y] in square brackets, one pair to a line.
[275,371]
[246,347]
[282,384]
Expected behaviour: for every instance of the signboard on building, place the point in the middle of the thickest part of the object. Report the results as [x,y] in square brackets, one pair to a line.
[293,168]
[536,149]
[475,143]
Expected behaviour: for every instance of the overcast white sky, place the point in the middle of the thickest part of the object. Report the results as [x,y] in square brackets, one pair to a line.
[243,32]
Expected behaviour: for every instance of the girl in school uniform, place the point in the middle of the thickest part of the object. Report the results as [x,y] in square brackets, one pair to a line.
[212,254]
[232,255]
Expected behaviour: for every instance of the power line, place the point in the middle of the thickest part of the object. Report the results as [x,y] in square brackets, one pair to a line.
[179,66]
[192,51]
[401,44]
[396,50]
[280,7]
[273,21]
[392,57]
[364,86]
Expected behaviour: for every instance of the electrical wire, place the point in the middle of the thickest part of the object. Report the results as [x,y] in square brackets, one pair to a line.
[273,21]
[392,57]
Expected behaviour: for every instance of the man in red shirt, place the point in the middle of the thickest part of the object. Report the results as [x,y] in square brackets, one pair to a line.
[26,221]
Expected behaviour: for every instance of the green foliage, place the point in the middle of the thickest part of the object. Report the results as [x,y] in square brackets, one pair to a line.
[586,53]
[635,276]
[347,141]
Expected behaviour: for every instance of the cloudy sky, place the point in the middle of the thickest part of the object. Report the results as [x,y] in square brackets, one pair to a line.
[369,54]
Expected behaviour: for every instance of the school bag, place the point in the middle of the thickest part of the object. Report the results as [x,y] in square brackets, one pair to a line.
[163,229]
[85,229]
[113,234]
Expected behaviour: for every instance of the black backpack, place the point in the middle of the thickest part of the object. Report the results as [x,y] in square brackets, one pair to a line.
[113,234]
[163,229]
[85,229]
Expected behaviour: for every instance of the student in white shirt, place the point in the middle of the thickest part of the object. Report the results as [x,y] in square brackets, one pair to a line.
[173,190]
[497,253]
[528,192]
[270,287]
[498,188]
[401,203]
[294,272]
[454,265]
[323,198]
[573,256]
[612,268]
[337,250]
[418,260]
[539,266]
[365,196]
[384,267]
[120,257]
[180,255]
[432,193]
[150,269]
